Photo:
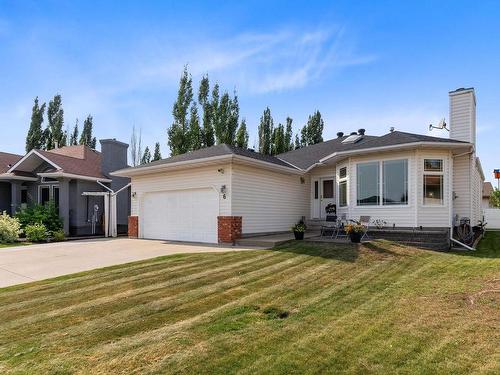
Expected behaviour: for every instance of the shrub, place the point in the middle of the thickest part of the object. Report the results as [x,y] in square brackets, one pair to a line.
[58,235]
[36,232]
[44,214]
[10,228]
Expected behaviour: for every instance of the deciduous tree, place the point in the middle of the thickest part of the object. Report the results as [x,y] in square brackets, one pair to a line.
[35,137]
[55,119]
[242,135]
[265,132]
[178,133]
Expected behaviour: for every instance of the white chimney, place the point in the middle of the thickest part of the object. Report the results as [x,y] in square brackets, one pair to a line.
[463,115]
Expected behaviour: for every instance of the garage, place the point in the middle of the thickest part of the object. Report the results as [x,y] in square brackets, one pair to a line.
[181,215]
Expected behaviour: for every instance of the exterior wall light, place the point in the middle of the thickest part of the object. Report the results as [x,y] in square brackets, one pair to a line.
[220,170]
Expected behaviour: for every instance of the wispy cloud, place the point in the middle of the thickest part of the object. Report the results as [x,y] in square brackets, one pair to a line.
[263,62]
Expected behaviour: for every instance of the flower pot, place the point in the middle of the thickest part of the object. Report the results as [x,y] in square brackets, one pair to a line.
[298,235]
[355,237]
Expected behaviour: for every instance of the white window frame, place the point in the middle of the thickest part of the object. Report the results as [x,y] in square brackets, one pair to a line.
[434,173]
[340,181]
[380,163]
[50,186]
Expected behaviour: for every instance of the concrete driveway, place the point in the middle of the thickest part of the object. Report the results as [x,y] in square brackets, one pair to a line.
[24,264]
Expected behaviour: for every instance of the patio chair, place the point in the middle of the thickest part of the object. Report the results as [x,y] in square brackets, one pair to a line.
[331,224]
[341,233]
[365,221]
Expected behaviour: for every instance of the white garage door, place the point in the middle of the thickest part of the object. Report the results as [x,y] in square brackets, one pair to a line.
[183,215]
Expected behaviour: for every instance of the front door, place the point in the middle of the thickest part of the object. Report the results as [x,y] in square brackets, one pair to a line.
[326,195]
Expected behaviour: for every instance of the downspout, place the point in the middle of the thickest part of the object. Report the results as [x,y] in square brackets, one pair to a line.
[460,243]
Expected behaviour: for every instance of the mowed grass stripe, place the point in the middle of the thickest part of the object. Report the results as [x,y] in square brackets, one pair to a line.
[124,284]
[374,309]
[139,290]
[110,276]
[293,333]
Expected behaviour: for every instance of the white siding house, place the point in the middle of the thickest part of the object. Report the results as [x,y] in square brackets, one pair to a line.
[223,192]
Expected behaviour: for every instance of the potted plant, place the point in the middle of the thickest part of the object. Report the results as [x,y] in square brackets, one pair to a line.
[298,230]
[355,232]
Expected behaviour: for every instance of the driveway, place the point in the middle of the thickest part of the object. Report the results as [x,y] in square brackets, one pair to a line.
[24,264]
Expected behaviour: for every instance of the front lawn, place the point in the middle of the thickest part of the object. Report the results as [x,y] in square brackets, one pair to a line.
[299,309]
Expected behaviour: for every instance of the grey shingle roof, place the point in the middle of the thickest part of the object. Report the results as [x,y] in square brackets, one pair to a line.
[305,157]
[218,150]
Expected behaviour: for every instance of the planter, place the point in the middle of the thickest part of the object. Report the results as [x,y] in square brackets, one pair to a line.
[356,237]
[298,235]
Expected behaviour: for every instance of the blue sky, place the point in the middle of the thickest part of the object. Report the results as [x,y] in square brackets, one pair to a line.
[372,64]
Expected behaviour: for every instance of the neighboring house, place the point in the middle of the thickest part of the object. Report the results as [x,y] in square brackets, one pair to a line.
[487,190]
[223,192]
[62,175]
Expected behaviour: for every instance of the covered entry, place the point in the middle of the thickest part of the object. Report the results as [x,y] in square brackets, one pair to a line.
[181,215]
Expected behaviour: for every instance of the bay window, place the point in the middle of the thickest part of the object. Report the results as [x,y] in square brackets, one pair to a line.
[368,184]
[394,188]
[395,181]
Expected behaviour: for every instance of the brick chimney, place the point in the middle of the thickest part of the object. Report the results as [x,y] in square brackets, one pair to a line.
[463,115]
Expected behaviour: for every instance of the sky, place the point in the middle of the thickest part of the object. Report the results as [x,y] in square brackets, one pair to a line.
[363,64]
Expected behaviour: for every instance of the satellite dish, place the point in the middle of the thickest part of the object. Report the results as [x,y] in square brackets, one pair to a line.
[441,125]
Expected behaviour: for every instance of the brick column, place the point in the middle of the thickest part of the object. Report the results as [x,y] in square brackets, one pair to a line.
[133,226]
[229,228]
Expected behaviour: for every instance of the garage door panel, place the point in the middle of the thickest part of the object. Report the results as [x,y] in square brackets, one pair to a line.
[184,215]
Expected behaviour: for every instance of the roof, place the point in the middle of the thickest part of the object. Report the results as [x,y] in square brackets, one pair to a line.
[487,189]
[7,160]
[218,150]
[80,160]
[308,156]
[303,158]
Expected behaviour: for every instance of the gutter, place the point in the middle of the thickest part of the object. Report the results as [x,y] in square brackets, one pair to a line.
[73,176]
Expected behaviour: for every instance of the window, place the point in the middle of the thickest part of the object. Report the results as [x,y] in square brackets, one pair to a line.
[343,172]
[327,189]
[44,194]
[433,182]
[433,190]
[433,165]
[343,193]
[395,182]
[316,189]
[368,184]
[24,195]
[55,196]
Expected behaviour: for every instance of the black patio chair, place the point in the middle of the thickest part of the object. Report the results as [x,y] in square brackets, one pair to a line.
[331,224]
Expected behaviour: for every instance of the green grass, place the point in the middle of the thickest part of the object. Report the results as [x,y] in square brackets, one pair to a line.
[14,244]
[299,308]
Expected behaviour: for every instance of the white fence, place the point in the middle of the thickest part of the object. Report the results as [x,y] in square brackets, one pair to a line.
[492,217]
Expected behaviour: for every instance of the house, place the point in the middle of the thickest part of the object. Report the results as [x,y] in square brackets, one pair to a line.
[487,190]
[63,175]
[221,193]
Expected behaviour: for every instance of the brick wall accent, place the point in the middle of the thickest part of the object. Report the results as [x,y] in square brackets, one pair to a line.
[229,228]
[133,226]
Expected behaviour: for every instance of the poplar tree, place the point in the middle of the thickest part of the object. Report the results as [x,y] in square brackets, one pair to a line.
[278,145]
[195,134]
[242,135]
[146,157]
[289,135]
[265,132]
[86,136]
[55,118]
[35,137]
[178,133]
[312,132]
[208,130]
[157,153]
[73,140]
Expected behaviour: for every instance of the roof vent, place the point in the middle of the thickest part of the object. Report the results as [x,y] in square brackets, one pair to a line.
[340,134]
[353,138]
[391,129]
[361,131]
[353,133]
[251,149]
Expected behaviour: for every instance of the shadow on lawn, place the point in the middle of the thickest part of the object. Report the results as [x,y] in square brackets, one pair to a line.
[342,252]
